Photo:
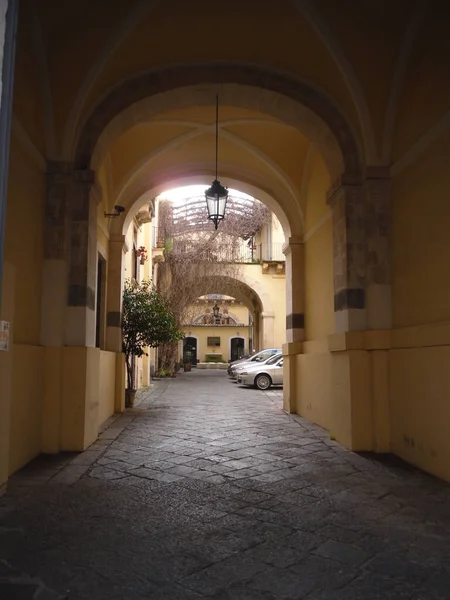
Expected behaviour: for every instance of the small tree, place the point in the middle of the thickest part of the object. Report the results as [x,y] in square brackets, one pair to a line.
[146,322]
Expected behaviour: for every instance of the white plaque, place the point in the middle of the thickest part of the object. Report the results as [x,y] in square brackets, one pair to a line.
[4,335]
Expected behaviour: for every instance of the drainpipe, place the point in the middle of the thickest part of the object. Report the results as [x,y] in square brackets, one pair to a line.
[269,239]
[11,8]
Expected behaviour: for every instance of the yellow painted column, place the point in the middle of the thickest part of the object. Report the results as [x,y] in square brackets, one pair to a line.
[267,319]
[295,320]
[80,359]
[54,298]
[291,382]
[295,290]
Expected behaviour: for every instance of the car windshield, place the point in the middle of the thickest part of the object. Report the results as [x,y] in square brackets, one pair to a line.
[274,359]
[262,356]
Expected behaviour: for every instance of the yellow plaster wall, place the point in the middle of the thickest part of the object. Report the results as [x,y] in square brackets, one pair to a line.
[318,183]
[421,243]
[420,411]
[80,387]
[106,388]
[324,388]
[225,333]
[26,405]
[319,286]
[418,361]
[24,241]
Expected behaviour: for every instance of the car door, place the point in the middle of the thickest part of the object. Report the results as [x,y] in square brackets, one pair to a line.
[277,377]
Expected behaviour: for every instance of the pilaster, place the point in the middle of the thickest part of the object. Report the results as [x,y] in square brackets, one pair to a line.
[295,290]
[56,253]
[268,320]
[349,257]
[378,269]
[80,329]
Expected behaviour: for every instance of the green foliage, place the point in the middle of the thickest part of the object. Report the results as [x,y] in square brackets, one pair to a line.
[165,373]
[146,322]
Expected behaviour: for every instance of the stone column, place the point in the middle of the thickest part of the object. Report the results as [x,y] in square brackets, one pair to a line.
[378,271]
[268,319]
[347,204]
[114,294]
[295,290]
[80,329]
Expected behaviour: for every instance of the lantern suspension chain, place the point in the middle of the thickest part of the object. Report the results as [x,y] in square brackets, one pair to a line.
[217,131]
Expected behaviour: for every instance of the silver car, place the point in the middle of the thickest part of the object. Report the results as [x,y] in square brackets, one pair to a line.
[258,358]
[262,376]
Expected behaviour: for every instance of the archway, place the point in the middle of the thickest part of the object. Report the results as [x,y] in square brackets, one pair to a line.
[272,92]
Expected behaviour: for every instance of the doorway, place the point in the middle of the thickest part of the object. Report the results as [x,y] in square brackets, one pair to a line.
[237,348]
[190,350]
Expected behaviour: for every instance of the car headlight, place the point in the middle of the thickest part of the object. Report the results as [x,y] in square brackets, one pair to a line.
[243,373]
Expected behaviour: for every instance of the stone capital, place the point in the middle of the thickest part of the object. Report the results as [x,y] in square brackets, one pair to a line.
[268,315]
[292,243]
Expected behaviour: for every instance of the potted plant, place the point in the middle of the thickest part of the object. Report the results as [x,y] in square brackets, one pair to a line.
[146,323]
[141,252]
[187,366]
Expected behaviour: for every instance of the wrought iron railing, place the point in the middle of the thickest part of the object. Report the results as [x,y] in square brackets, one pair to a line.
[233,252]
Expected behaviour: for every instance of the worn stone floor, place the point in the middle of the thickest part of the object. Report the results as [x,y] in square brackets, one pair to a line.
[209,490]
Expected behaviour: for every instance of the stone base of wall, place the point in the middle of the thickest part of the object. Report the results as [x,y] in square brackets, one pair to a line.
[222,366]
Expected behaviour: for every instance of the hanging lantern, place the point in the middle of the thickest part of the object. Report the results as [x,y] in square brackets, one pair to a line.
[217,195]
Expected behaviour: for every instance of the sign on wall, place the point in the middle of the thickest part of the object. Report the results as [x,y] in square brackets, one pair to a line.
[4,335]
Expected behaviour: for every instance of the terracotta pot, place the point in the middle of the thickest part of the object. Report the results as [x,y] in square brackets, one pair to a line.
[187,366]
[129,398]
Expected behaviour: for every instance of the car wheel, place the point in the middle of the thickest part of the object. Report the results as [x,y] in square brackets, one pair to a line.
[263,382]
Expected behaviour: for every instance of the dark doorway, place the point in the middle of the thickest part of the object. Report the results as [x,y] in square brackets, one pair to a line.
[237,348]
[190,350]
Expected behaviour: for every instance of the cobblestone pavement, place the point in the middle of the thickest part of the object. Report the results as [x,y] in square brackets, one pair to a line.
[208,490]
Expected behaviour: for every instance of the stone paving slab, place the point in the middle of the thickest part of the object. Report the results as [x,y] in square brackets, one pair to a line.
[209,490]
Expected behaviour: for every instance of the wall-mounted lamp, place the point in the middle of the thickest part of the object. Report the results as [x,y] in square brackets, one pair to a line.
[118,211]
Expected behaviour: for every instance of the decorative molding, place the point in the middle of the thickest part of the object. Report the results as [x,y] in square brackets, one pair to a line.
[320,223]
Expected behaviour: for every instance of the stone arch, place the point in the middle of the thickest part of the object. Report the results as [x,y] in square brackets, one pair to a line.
[137,196]
[290,99]
[244,288]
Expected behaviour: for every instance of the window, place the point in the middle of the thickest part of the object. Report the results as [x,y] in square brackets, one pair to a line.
[273,360]
[213,341]
[264,355]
